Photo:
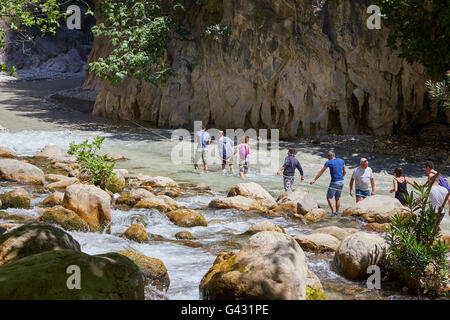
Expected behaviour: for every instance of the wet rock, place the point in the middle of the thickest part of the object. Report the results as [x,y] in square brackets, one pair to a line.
[55,154]
[14,170]
[314,288]
[253,191]
[18,198]
[92,204]
[185,235]
[271,265]
[377,208]
[315,215]
[318,242]
[334,231]
[265,226]
[116,184]
[7,153]
[16,218]
[357,252]
[188,243]
[158,182]
[186,218]
[299,201]
[109,276]
[136,232]
[237,202]
[55,199]
[33,238]
[63,183]
[123,172]
[134,196]
[153,270]
[161,203]
[66,218]
[377,227]
[115,156]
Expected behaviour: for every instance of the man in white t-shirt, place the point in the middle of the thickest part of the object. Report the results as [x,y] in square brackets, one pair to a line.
[436,199]
[363,179]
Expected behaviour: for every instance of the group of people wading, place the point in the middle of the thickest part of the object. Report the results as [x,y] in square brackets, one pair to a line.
[362,178]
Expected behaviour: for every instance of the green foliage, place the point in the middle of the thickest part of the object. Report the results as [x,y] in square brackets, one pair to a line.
[416,253]
[420,29]
[95,166]
[440,91]
[139,32]
[19,15]
[216,32]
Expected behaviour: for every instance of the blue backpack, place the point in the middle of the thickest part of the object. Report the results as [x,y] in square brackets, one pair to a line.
[443,182]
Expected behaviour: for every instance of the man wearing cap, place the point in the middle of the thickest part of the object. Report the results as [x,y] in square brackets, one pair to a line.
[362,176]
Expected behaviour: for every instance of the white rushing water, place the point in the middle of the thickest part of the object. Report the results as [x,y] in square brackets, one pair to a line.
[35,124]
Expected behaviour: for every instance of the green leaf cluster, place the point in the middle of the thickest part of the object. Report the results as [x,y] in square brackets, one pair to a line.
[440,91]
[96,167]
[416,253]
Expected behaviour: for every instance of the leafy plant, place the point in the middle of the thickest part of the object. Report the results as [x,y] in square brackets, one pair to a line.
[97,168]
[416,253]
[440,91]
[420,29]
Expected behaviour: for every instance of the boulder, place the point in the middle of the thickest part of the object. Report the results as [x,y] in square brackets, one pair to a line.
[265,226]
[15,170]
[253,191]
[357,252]
[314,288]
[115,156]
[55,154]
[185,235]
[18,198]
[299,201]
[63,183]
[123,172]
[270,266]
[318,242]
[153,270]
[55,199]
[134,196]
[46,276]
[377,227]
[162,203]
[334,231]
[315,215]
[92,204]
[55,177]
[237,202]
[66,218]
[7,153]
[159,182]
[377,208]
[136,232]
[186,218]
[33,238]
[116,184]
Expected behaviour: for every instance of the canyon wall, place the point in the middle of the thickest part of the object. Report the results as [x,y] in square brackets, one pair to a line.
[281,67]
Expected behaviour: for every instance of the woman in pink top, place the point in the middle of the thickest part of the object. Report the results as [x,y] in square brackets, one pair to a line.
[244,150]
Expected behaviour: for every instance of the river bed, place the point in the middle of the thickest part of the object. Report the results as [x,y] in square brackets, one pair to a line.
[33,121]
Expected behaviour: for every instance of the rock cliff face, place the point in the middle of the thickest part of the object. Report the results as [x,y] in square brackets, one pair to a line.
[281,67]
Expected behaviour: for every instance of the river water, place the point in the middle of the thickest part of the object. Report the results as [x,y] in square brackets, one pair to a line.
[34,121]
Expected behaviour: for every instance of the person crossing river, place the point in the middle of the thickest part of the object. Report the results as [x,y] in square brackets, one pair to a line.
[337,172]
[290,164]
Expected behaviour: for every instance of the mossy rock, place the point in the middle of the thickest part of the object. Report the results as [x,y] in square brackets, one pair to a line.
[188,243]
[153,270]
[66,218]
[315,294]
[116,184]
[33,238]
[186,218]
[185,235]
[44,276]
[18,198]
[18,218]
[136,232]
